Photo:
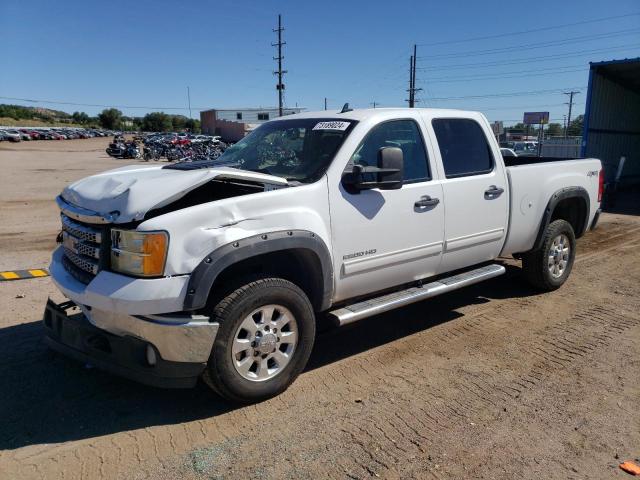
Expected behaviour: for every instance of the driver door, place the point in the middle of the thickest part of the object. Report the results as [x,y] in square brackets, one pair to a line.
[385,238]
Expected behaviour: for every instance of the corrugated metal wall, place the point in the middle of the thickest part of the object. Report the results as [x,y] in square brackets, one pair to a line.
[615,109]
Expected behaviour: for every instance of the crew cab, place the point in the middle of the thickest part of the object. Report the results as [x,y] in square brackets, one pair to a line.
[220,269]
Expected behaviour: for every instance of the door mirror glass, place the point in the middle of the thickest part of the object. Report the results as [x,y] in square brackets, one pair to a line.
[387,175]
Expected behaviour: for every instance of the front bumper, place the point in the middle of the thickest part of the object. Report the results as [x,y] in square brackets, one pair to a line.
[126,356]
[110,291]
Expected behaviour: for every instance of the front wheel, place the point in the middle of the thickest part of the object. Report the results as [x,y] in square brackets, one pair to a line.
[267,330]
[549,266]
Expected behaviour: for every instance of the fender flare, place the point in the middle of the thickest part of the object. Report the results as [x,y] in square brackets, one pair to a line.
[205,274]
[562,194]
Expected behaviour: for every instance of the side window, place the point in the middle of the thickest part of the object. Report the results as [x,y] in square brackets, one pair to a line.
[403,134]
[463,147]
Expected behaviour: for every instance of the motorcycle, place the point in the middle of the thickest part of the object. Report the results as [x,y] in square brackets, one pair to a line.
[131,150]
[116,149]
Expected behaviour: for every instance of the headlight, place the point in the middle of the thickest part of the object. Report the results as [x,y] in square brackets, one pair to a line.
[142,254]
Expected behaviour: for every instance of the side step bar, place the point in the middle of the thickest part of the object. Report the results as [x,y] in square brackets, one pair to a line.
[374,306]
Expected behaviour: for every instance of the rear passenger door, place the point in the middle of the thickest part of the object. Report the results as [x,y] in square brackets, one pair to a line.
[475,193]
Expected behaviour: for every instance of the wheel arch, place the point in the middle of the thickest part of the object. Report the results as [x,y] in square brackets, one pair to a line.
[299,256]
[570,204]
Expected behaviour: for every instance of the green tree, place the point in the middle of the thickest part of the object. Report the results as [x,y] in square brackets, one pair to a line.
[179,122]
[80,117]
[575,127]
[157,122]
[554,130]
[193,125]
[110,118]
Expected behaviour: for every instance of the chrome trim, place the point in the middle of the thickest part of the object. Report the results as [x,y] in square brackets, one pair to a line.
[85,215]
[375,306]
[78,246]
[80,231]
[178,337]
[85,264]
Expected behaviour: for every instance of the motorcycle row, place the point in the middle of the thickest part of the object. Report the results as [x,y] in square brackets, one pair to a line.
[156,148]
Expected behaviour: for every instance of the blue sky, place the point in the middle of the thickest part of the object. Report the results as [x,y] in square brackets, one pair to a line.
[146,53]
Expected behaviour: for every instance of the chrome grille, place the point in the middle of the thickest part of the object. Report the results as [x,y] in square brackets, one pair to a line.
[82,232]
[82,262]
[83,247]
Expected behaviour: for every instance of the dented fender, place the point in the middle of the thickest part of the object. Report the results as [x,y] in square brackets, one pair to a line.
[196,231]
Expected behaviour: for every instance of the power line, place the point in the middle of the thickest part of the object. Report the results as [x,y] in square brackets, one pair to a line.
[546,69]
[503,95]
[530,46]
[522,107]
[580,53]
[55,102]
[501,76]
[533,30]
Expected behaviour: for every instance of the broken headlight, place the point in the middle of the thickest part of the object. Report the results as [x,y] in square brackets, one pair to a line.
[141,254]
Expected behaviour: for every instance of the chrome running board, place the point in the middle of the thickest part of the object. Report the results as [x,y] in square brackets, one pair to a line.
[374,306]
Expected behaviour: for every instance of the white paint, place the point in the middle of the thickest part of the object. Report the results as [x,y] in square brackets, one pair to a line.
[410,243]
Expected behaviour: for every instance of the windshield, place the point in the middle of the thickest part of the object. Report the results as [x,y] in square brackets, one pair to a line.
[298,149]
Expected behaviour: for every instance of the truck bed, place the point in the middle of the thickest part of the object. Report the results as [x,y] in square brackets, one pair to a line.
[533,184]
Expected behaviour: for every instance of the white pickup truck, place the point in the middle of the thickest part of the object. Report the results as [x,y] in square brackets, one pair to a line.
[220,269]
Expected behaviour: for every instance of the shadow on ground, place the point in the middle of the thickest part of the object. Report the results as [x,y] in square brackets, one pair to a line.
[47,398]
[625,202]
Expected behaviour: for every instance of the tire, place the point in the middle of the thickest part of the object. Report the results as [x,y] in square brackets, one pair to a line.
[267,374]
[549,266]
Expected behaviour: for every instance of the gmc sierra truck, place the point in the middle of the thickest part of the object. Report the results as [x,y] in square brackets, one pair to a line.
[220,269]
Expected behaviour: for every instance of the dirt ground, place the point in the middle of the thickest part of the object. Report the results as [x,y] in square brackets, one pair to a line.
[493,381]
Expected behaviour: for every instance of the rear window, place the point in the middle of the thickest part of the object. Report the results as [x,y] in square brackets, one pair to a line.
[463,147]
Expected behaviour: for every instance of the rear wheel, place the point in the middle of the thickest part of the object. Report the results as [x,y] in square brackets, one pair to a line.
[267,330]
[549,266]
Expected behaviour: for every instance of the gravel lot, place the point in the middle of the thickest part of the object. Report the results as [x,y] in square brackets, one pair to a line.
[493,381]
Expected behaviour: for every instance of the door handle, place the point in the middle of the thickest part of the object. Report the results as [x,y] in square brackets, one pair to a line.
[426,201]
[493,192]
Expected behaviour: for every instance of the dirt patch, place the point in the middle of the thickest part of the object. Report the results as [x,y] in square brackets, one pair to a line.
[493,381]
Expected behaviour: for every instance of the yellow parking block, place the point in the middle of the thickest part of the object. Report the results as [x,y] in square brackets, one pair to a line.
[9,275]
[38,273]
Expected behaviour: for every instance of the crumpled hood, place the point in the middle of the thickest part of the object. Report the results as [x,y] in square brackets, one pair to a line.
[134,190]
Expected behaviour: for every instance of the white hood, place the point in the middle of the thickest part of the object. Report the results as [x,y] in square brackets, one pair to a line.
[134,190]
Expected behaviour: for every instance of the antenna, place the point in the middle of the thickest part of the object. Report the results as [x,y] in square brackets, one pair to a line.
[345,108]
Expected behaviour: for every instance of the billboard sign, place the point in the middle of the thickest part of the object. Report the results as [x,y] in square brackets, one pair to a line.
[535,118]
[498,128]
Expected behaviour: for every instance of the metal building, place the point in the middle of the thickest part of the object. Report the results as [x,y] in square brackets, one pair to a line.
[234,123]
[612,117]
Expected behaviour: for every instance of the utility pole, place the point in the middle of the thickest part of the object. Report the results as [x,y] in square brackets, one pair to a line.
[570,103]
[415,58]
[189,101]
[412,79]
[279,58]
[325,103]
[374,104]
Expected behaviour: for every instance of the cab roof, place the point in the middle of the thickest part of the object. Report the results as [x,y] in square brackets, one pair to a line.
[368,113]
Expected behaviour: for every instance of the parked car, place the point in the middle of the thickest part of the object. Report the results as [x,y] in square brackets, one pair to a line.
[197,270]
[507,152]
[33,135]
[526,148]
[12,135]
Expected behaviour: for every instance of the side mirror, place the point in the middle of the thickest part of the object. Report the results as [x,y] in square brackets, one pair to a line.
[387,175]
